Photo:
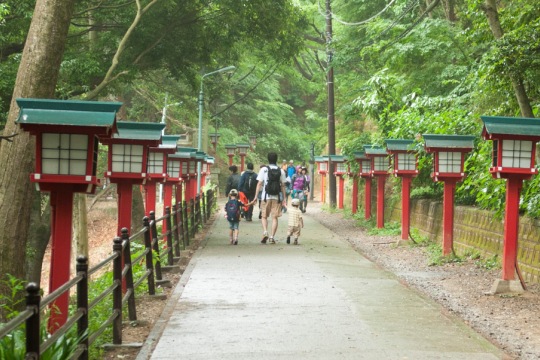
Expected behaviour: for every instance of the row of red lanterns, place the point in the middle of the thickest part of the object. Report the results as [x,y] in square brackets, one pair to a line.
[513,158]
[68,134]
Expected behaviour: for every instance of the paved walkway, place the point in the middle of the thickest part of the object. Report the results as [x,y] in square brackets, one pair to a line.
[318,300]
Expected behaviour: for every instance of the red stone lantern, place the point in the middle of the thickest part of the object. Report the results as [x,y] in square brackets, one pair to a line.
[514,151]
[252,141]
[242,151]
[231,149]
[177,172]
[322,169]
[448,166]
[128,161]
[405,167]
[66,163]
[157,172]
[379,169]
[340,169]
[214,139]
[364,165]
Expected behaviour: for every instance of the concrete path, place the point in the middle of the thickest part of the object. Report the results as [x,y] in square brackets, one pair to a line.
[318,300]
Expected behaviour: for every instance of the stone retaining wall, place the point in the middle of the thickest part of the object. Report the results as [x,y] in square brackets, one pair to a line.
[474,229]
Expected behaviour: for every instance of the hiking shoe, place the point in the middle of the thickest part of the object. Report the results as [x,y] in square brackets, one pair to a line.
[288,239]
[265,237]
[235,242]
[272,241]
[295,242]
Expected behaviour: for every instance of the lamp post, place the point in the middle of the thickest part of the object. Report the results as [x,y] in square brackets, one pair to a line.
[379,169]
[201,99]
[242,151]
[448,166]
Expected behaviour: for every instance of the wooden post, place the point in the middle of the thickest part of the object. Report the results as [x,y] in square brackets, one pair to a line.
[448,216]
[405,206]
[511,227]
[355,195]
[381,179]
[82,304]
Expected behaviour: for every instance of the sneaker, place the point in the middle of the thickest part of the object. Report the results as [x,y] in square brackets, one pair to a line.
[265,237]
[288,239]
[295,242]
[272,241]
[235,242]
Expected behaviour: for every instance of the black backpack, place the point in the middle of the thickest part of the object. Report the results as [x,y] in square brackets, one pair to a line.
[232,208]
[273,185]
[251,184]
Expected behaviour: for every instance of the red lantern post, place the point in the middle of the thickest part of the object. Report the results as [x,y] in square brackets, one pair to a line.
[128,158]
[358,157]
[364,172]
[242,151]
[379,169]
[231,149]
[157,172]
[322,169]
[448,166]
[177,171]
[514,151]
[405,167]
[340,169]
[66,163]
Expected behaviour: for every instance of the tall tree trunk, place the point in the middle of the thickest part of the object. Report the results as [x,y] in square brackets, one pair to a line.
[490,9]
[37,77]
[137,209]
[450,10]
[38,239]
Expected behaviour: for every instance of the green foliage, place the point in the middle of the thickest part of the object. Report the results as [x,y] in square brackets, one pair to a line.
[12,302]
[389,229]
[427,192]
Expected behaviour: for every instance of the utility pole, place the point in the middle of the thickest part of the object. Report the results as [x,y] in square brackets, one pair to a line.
[331,119]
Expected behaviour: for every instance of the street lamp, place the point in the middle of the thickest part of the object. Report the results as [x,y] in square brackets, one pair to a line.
[201,97]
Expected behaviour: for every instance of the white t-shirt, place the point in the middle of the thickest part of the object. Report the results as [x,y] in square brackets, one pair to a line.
[263,176]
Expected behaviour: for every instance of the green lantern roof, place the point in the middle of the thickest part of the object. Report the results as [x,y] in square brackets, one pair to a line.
[242,145]
[360,155]
[374,150]
[399,144]
[169,141]
[511,125]
[449,141]
[210,159]
[67,112]
[230,146]
[133,130]
[337,158]
[321,158]
[183,153]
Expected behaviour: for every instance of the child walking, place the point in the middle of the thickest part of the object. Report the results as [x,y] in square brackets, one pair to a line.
[232,210]
[296,222]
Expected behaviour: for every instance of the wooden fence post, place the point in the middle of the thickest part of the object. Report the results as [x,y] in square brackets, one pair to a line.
[132,310]
[82,304]
[149,264]
[117,292]
[33,300]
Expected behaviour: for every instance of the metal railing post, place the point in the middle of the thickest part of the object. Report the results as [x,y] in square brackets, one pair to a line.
[117,292]
[132,310]
[149,264]
[82,304]
[33,300]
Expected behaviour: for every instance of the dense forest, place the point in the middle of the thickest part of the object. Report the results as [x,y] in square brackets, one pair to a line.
[401,67]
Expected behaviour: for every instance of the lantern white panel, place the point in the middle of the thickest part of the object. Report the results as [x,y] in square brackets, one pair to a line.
[380,163]
[64,154]
[127,158]
[449,162]
[406,161]
[192,167]
[184,168]
[366,167]
[517,153]
[173,168]
[341,167]
[323,166]
[155,162]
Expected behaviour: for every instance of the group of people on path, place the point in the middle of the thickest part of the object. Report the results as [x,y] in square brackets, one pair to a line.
[271,187]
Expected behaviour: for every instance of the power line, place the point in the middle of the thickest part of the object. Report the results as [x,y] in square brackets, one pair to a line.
[356,23]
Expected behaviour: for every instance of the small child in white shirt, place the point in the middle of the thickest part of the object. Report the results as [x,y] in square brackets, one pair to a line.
[295,223]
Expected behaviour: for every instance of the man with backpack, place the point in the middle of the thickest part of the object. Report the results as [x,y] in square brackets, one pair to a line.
[271,180]
[248,185]
[233,180]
